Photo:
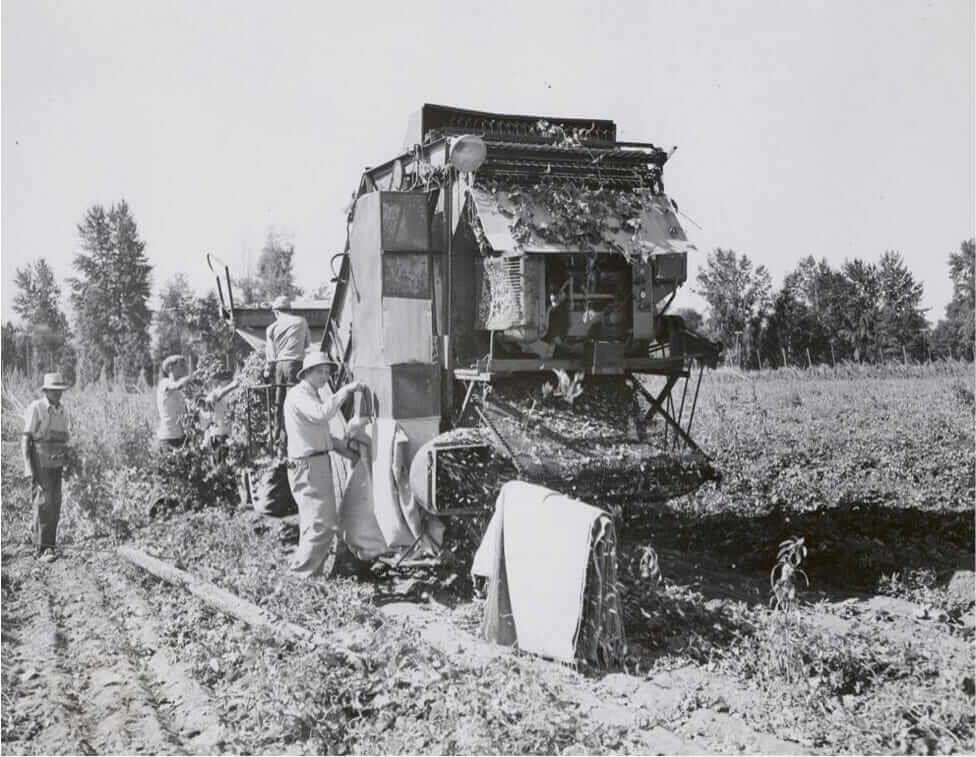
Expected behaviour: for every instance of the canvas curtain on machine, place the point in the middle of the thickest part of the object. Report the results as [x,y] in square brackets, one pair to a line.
[377,515]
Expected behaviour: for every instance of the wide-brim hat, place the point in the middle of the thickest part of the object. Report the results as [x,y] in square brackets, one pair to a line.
[54,381]
[314,359]
[281,303]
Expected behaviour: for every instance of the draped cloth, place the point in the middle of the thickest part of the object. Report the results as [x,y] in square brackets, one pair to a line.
[377,514]
[535,553]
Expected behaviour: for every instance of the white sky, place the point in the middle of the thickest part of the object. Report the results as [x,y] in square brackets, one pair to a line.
[838,129]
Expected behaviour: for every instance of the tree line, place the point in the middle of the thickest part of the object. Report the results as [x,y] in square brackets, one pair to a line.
[863,311]
[114,332]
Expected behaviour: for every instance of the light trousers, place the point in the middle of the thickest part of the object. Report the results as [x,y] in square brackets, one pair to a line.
[311,486]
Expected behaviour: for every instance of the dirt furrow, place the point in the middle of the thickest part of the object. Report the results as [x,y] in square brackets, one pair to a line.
[87,672]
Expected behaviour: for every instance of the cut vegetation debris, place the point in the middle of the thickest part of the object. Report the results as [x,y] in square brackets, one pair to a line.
[879,659]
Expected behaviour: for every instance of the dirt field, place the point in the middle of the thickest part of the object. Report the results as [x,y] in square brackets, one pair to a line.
[877,656]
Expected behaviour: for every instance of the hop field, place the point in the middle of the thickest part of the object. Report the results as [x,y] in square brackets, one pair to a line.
[873,469]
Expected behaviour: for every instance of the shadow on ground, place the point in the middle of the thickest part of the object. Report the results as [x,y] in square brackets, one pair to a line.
[851,548]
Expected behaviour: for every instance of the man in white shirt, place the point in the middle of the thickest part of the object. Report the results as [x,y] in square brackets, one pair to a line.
[285,343]
[170,401]
[306,418]
[45,449]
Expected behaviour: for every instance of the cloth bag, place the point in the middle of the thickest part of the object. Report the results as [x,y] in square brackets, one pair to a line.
[358,526]
[271,492]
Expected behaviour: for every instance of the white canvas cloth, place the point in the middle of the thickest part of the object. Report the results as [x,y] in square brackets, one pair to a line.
[377,514]
[547,538]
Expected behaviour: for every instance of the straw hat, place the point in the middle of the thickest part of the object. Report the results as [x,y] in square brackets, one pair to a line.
[313,359]
[54,381]
[281,303]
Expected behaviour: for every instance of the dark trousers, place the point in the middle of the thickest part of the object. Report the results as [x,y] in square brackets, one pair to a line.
[285,376]
[46,491]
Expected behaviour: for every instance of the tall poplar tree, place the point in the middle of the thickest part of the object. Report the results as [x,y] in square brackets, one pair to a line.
[44,324]
[111,294]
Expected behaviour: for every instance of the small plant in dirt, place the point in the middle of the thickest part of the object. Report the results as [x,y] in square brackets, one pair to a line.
[784,625]
[783,576]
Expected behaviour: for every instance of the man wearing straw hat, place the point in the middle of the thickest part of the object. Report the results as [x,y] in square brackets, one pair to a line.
[286,340]
[307,416]
[45,448]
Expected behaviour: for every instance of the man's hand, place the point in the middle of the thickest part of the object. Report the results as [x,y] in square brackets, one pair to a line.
[352,387]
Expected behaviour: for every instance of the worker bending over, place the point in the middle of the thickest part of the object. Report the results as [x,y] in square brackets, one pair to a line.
[45,451]
[286,340]
[307,416]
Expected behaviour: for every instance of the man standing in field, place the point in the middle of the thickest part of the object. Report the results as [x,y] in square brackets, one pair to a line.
[307,416]
[285,343]
[170,401]
[45,448]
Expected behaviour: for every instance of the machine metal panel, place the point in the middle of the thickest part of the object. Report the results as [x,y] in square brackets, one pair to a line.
[406,221]
[406,274]
[670,267]
[407,336]
[605,358]
[419,431]
[416,390]
[364,302]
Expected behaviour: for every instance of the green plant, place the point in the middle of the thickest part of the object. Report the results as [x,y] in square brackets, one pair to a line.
[784,626]
[782,577]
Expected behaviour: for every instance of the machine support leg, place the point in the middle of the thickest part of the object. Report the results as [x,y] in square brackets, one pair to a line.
[467,397]
[694,402]
[657,405]
[681,407]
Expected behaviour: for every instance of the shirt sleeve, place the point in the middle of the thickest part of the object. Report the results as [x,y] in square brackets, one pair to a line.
[308,336]
[32,420]
[317,412]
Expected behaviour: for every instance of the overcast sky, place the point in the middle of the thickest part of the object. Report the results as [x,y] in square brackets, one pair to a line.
[838,129]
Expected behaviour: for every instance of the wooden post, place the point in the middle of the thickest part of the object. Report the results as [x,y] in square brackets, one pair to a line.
[229,603]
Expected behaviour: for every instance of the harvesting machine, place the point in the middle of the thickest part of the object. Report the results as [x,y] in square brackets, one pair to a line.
[515,274]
